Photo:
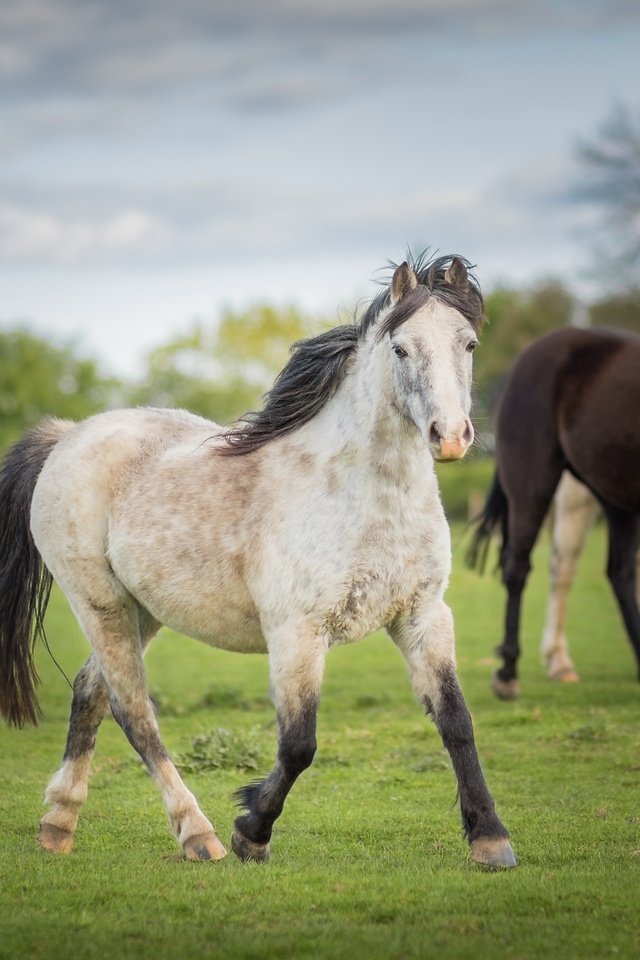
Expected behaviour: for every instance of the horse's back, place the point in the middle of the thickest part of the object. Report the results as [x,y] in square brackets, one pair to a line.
[573,395]
[598,417]
[87,470]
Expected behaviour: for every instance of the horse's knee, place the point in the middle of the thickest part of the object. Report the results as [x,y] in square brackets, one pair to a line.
[515,572]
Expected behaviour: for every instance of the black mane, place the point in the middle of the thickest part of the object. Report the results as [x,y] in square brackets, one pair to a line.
[318,365]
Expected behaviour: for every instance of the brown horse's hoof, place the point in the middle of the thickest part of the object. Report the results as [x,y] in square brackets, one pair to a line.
[247,850]
[505,689]
[204,846]
[494,853]
[565,675]
[55,838]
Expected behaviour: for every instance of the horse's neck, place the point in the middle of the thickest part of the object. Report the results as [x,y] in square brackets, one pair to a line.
[362,431]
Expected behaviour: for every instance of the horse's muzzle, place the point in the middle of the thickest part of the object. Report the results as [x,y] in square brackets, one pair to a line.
[454,448]
[451,450]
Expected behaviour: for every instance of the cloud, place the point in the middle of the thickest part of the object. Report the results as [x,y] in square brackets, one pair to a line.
[32,236]
[107,47]
[223,219]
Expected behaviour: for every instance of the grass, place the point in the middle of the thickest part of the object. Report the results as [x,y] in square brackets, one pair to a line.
[368,858]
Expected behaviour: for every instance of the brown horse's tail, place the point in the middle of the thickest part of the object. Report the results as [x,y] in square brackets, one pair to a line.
[25,582]
[494,512]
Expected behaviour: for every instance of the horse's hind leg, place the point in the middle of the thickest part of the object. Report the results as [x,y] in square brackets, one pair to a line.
[624,539]
[427,643]
[67,789]
[575,510]
[113,630]
[296,677]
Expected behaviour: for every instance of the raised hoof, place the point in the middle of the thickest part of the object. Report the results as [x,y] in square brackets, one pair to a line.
[55,838]
[204,846]
[247,850]
[505,689]
[564,675]
[494,853]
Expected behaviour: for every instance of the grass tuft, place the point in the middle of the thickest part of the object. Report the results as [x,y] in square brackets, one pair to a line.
[222,749]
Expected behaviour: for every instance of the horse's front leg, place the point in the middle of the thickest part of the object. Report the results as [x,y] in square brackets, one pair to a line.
[297,665]
[427,642]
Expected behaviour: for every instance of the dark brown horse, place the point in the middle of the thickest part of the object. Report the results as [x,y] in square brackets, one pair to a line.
[571,401]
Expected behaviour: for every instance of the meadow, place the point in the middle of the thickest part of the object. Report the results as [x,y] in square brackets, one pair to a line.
[368,859]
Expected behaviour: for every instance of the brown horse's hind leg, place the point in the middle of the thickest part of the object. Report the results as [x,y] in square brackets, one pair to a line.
[67,790]
[624,538]
[575,510]
[527,510]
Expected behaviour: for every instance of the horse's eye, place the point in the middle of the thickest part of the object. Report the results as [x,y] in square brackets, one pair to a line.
[399,351]
[471,346]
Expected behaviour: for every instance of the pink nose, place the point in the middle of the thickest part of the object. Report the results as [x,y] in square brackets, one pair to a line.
[455,446]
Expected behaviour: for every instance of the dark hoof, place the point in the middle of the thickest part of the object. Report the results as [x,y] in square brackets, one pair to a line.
[247,850]
[55,839]
[505,689]
[494,853]
[204,846]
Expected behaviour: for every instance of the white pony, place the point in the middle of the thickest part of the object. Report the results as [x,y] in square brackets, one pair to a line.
[307,525]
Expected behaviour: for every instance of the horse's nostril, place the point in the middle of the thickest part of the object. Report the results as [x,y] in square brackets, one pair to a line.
[434,434]
[467,436]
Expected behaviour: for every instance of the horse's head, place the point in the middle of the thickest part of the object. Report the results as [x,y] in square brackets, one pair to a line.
[430,333]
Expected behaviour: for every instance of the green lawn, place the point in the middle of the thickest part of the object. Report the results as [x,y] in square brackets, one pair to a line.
[368,859]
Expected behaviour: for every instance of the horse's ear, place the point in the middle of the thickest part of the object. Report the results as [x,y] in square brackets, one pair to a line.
[457,273]
[403,282]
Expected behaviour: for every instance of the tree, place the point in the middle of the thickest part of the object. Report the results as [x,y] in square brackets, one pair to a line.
[221,372]
[39,378]
[515,318]
[611,182]
[619,310]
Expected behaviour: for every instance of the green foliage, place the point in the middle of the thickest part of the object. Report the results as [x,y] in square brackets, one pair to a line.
[39,378]
[464,484]
[222,372]
[515,319]
[222,749]
[620,310]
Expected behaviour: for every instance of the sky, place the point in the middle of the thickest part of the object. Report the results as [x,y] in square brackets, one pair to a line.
[163,160]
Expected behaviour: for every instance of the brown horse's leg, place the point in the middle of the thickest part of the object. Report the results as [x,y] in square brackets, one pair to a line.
[528,506]
[296,677]
[428,647]
[575,510]
[624,538]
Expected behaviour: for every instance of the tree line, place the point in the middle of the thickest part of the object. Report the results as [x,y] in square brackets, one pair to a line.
[221,370]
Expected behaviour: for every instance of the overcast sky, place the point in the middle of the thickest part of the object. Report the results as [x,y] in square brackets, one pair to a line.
[159,159]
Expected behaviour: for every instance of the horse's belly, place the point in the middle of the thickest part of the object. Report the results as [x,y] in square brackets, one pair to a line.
[199,597]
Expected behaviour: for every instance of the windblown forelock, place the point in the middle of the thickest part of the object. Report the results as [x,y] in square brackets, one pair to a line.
[431,275]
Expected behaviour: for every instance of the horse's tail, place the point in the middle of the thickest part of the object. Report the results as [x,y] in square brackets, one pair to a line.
[25,582]
[495,512]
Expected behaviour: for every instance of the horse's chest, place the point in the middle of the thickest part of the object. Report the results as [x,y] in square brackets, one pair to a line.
[385,584]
